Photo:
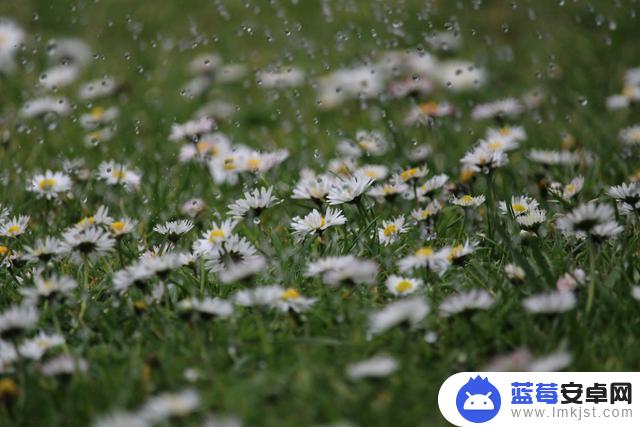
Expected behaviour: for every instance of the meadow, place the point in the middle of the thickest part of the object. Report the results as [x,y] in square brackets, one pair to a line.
[310,213]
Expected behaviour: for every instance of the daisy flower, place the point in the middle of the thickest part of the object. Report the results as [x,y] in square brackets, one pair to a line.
[344,167]
[254,161]
[399,285]
[36,347]
[427,213]
[502,108]
[43,250]
[411,311]
[569,191]
[391,230]
[316,223]
[458,253]
[374,367]
[483,159]
[531,219]
[234,260]
[46,287]
[45,106]
[101,218]
[117,174]
[292,300]
[262,296]
[627,196]
[253,203]
[213,237]
[209,307]
[457,75]
[520,205]
[50,184]
[432,185]
[372,142]
[569,281]
[191,130]
[514,272]
[192,207]
[349,190]
[552,158]
[413,174]
[550,302]
[498,144]
[375,172]
[515,133]
[477,299]
[591,219]
[174,229]
[426,257]
[63,365]
[58,76]
[389,190]
[164,406]
[122,226]
[314,188]
[468,201]
[345,269]
[91,243]
[630,135]
[244,269]
[426,111]
[230,250]
[99,88]
[15,226]
[11,37]
[17,318]
[98,116]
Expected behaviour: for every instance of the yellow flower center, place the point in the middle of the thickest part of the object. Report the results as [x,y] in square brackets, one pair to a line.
[495,145]
[430,107]
[14,229]
[290,294]
[628,91]
[47,184]
[202,146]
[8,387]
[4,250]
[216,233]
[97,113]
[118,174]
[322,221]
[408,174]
[95,136]
[466,175]
[48,284]
[466,199]
[455,252]
[390,229]
[372,174]
[404,286]
[570,188]
[118,226]
[426,251]
[344,169]
[254,164]
[505,131]
[41,344]
[229,164]
[518,208]
[425,213]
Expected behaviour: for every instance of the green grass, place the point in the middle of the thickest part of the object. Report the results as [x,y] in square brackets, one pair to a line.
[294,373]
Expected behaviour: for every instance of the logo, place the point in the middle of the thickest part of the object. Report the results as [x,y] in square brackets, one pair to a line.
[478,400]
